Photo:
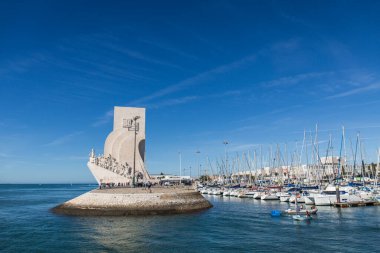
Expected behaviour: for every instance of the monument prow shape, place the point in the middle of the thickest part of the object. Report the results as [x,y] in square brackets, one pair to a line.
[123,160]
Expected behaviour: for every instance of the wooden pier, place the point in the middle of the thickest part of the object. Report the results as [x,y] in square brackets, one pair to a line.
[356,204]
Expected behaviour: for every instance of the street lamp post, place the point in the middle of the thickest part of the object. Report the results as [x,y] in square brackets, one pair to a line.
[180,168]
[185,171]
[197,153]
[225,155]
[134,153]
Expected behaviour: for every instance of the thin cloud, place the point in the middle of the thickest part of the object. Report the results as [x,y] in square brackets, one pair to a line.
[21,65]
[5,155]
[195,80]
[229,93]
[292,80]
[92,68]
[63,139]
[273,112]
[175,101]
[111,43]
[104,119]
[188,99]
[360,104]
[165,47]
[107,117]
[139,56]
[363,89]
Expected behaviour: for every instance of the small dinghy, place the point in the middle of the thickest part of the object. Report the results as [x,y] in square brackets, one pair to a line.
[304,211]
[301,218]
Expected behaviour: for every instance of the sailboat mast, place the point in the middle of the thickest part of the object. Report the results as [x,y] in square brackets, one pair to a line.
[307,165]
[301,153]
[344,166]
[356,151]
[377,167]
[362,160]
[340,156]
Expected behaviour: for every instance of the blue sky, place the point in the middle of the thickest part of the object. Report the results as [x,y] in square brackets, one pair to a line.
[250,72]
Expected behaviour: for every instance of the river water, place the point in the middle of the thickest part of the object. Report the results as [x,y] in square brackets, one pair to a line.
[232,225]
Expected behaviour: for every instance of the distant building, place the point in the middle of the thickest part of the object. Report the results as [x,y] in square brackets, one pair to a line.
[172,179]
[333,160]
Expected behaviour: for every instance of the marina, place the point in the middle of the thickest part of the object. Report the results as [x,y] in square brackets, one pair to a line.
[344,180]
[308,198]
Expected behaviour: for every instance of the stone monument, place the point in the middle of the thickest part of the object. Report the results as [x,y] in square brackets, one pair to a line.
[121,170]
[123,161]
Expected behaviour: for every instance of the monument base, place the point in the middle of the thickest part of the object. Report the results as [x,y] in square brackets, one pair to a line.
[134,201]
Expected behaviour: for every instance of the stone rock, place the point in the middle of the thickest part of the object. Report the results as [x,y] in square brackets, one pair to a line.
[132,201]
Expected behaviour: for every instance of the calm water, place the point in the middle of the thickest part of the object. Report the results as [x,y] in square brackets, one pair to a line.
[233,225]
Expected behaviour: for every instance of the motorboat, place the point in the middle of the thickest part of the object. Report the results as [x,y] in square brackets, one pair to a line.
[300,197]
[302,211]
[246,194]
[269,196]
[216,192]
[284,198]
[328,197]
[227,193]
[258,195]
[243,195]
[234,193]
[309,200]
[250,194]
[204,191]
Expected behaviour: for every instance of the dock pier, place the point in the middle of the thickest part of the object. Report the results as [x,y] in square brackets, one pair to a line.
[356,204]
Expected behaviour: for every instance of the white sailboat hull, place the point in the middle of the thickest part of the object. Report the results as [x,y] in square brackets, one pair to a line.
[309,200]
[284,199]
[301,199]
[269,197]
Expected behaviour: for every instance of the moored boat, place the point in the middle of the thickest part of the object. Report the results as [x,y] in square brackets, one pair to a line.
[304,211]
[269,196]
[258,195]
[301,217]
[284,198]
[309,200]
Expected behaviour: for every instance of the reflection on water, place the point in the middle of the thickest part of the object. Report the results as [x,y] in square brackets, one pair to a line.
[232,225]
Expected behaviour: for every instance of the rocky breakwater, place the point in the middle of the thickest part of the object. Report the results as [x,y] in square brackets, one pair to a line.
[134,201]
